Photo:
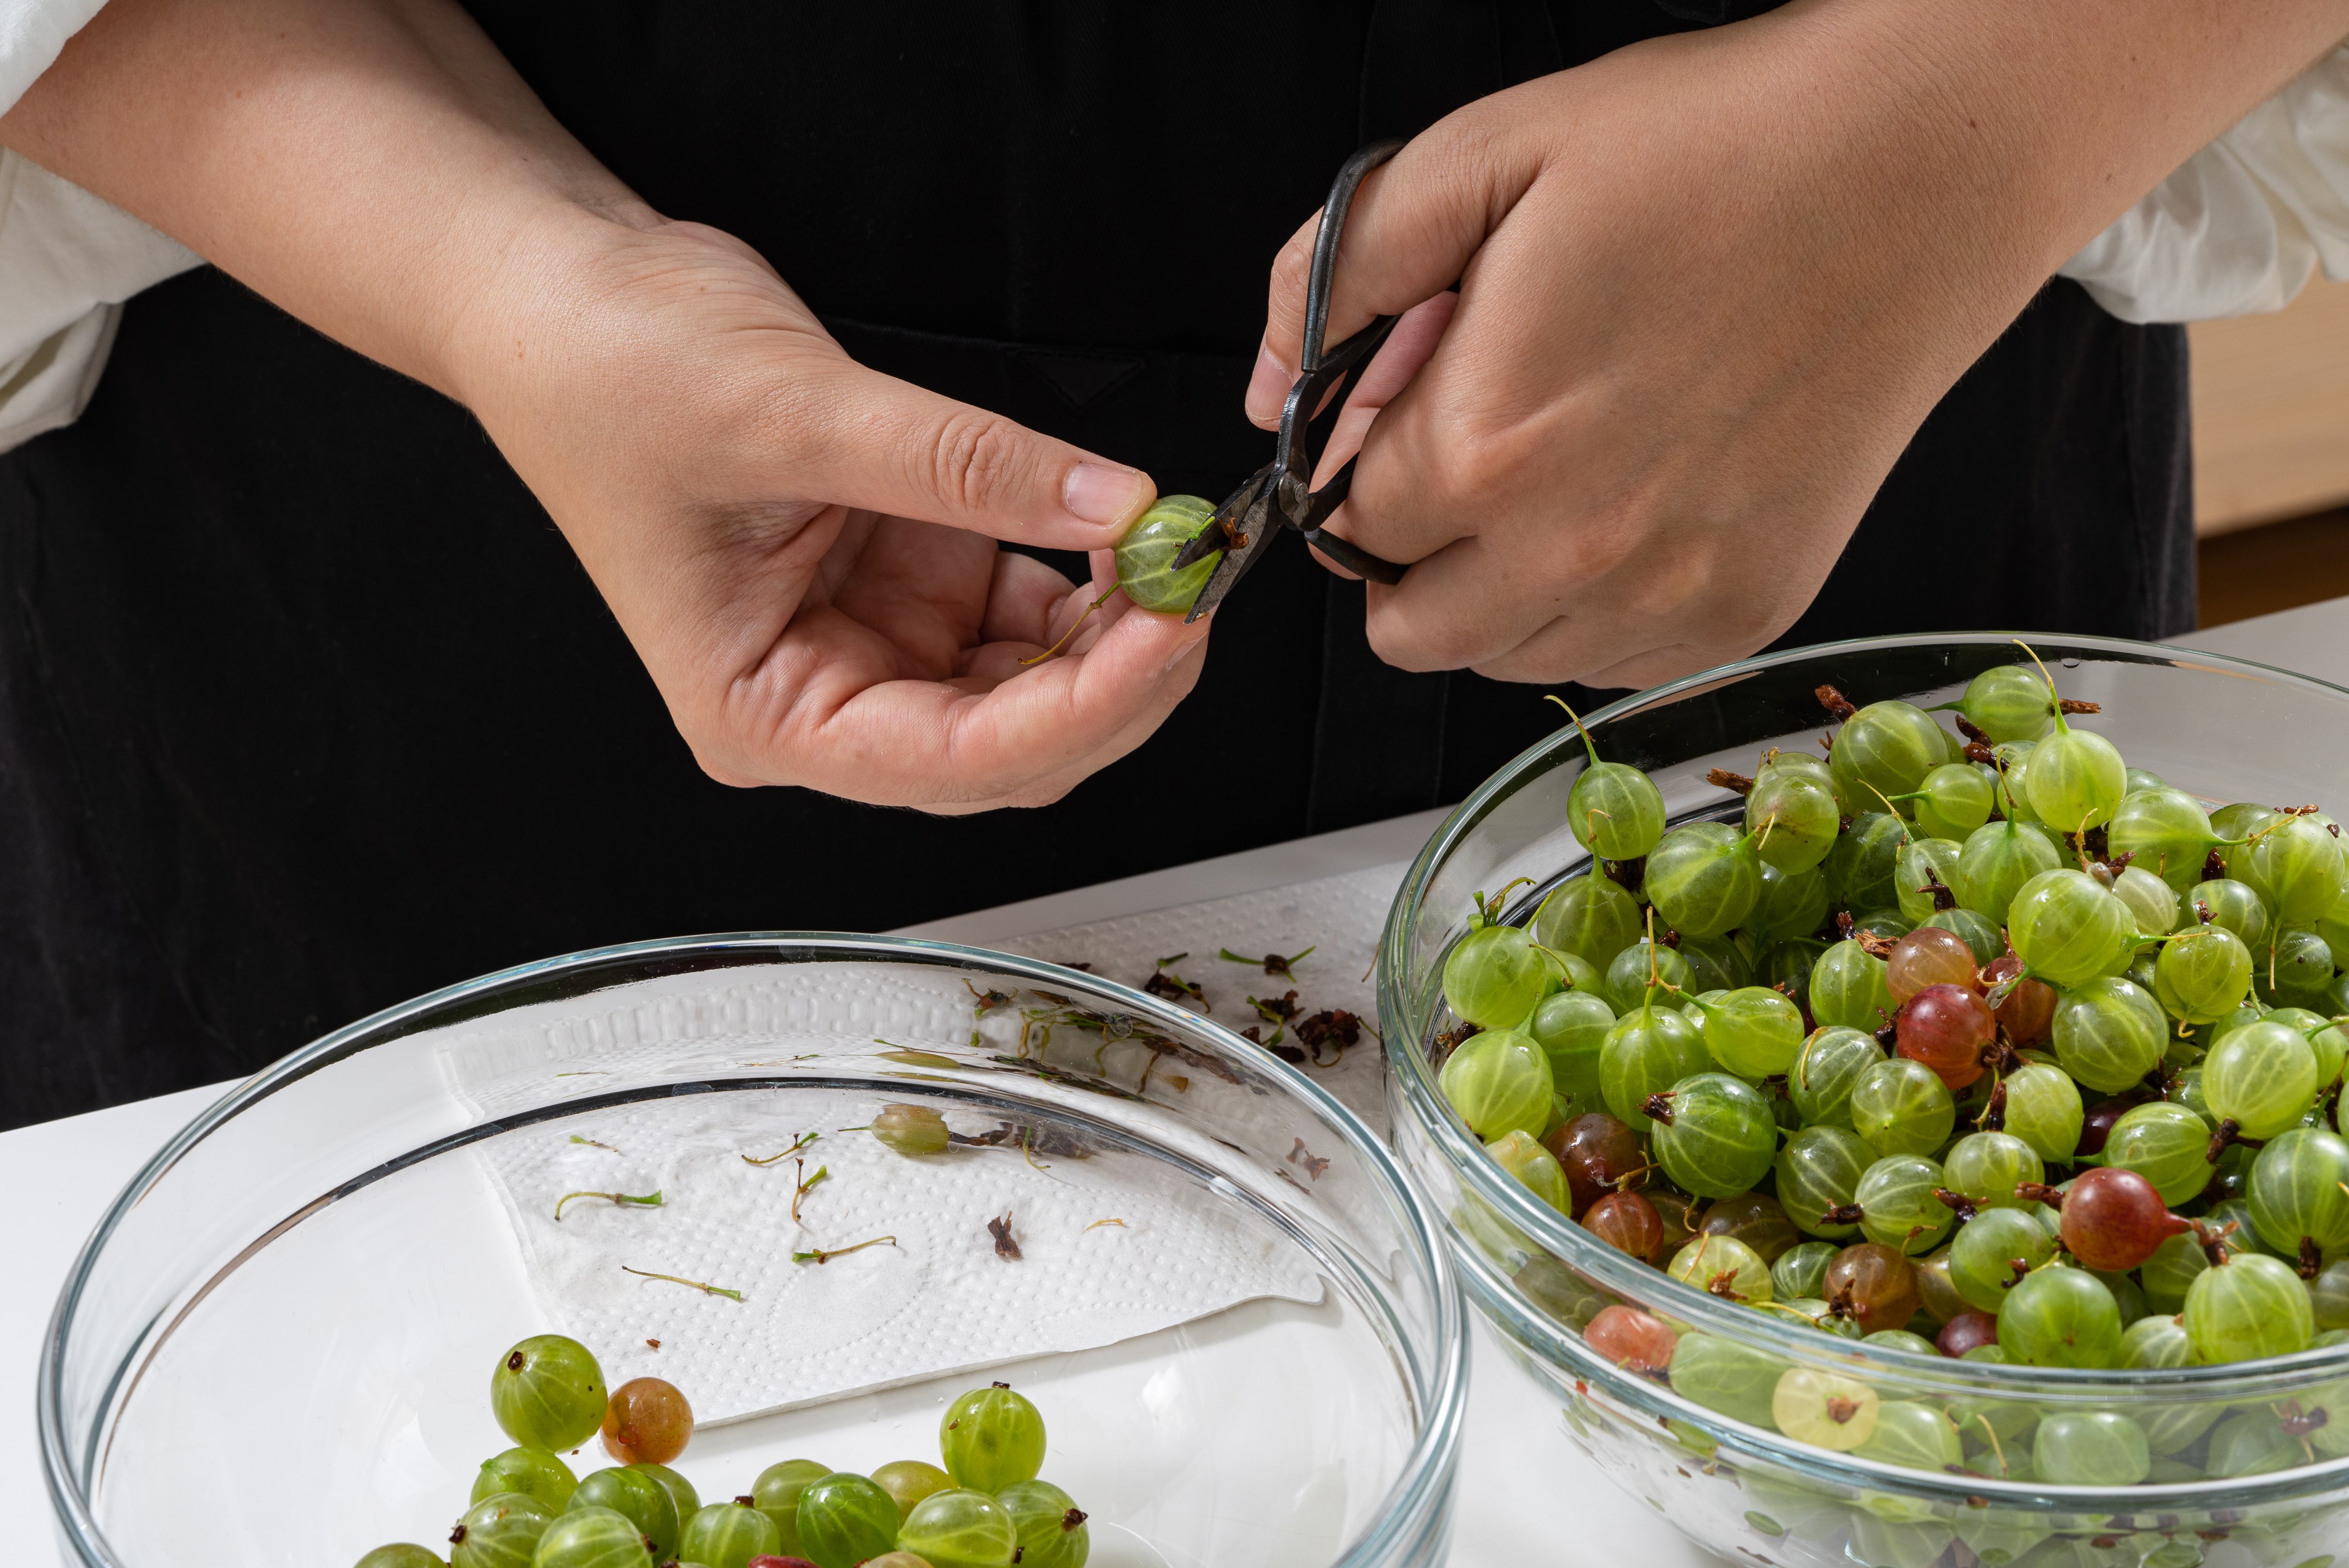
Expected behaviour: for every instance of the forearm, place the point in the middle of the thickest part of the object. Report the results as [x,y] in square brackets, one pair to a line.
[373,166]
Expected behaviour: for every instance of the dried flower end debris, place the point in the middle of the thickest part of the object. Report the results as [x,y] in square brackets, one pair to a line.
[1006,1246]
[1274,964]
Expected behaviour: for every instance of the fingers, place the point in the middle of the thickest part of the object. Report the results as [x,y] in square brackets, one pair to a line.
[1414,225]
[854,435]
[1399,359]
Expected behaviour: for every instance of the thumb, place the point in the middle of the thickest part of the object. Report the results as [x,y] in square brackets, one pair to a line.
[1416,222]
[870,441]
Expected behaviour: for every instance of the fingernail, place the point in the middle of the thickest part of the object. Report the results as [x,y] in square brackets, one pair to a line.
[1101,494]
[1183,652]
[1267,387]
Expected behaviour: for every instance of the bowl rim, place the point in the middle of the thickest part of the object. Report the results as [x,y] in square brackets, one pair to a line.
[1416,1510]
[1414,1094]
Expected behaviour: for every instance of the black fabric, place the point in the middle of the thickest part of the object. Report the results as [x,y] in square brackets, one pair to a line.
[305,707]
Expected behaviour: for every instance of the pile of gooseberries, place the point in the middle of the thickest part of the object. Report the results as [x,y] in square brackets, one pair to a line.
[981,1506]
[1981,1044]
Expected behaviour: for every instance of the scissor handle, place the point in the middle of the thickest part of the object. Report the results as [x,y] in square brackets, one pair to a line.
[1351,175]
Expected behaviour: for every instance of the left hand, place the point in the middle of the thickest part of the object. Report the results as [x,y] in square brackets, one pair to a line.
[1710,286]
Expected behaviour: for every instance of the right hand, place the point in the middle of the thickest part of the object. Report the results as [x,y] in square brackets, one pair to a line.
[803,551]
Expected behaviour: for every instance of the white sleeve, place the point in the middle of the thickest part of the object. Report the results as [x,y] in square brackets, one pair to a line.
[67,260]
[2241,225]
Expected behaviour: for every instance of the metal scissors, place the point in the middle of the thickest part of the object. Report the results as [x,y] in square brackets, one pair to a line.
[1279,497]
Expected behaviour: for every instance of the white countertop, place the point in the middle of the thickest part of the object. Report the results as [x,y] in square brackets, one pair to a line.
[61,1177]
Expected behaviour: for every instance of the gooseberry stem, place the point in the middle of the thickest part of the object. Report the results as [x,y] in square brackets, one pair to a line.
[801,1142]
[707,1290]
[1039,657]
[824,1255]
[1587,744]
[592,1142]
[2055,699]
[649,1201]
[807,1185]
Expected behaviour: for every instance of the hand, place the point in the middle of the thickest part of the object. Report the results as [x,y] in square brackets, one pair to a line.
[1708,286]
[800,548]
[803,551]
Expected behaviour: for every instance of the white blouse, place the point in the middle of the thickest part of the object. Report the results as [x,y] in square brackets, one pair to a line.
[2240,227]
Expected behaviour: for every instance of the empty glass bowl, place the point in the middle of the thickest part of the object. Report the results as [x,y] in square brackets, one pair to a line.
[1235,1317]
[1701,1445]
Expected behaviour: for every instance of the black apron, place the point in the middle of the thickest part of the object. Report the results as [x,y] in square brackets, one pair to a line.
[306,708]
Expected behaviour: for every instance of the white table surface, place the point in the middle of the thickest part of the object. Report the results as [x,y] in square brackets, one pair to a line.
[61,1177]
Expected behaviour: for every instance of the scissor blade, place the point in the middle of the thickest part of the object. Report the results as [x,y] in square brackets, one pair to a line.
[1248,518]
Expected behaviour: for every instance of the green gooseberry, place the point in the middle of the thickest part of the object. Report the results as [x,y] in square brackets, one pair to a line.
[2066,928]
[1898,1205]
[1792,904]
[1723,1376]
[1704,879]
[2153,905]
[2299,865]
[2334,926]
[2236,825]
[776,1493]
[1984,1257]
[1615,810]
[1145,556]
[1826,1068]
[1801,1271]
[2299,1193]
[1716,964]
[2234,906]
[2164,1143]
[728,1535]
[2090,1447]
[1913,1435]
[400,1555]
[1051,1526]
[1495,976]
[2163,831]
[992,1437]
[2252,1443]
[1922,866]
[1792,815]
[1982,937]
[2059,1316]
[680,1490]
[1815,1313]
[1571,1027]
[548,1393]
[2299,963]
[1850,988]
[2012,760]
[2109,1033]
[1754,1033]
[1985,1168]
[645,1504]
[1647,1051]
[1713,1134]
[908,1481]
[2328,1297]
[499,1531]
[1521,1154]
[593,1538]
[2043,1109]
[2325,1039]
[2261,1078]
[1589,916]
[2202,974]
[1722,1266]
[1641,972]
[1497,1081]
[533,1473]
[960,1528]
[1900,1339]
[1859,867]
[1900,1106]
[2076,778]
[2248,1307]
[845,1518]
[1955,799]
[2008,702]
[1884,750]
[1999,860]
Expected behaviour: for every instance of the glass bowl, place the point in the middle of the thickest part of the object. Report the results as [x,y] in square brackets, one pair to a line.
[1719,1470]
[1237,1318]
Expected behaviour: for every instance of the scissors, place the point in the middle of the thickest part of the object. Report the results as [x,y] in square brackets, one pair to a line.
[1279,495]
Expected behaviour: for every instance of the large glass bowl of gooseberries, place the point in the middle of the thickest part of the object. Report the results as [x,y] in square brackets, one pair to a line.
[273,1352]
[1888,1095]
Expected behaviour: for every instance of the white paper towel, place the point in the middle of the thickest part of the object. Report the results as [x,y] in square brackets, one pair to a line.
[939,1300]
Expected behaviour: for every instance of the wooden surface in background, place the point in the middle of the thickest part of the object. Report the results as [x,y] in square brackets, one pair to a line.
[2272,412]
